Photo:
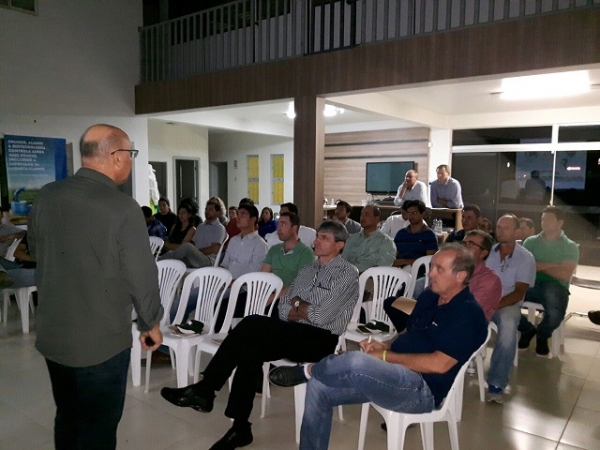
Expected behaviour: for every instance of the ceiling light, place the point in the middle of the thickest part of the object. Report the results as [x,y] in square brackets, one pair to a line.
[290,113]
[331,111]
[545,86]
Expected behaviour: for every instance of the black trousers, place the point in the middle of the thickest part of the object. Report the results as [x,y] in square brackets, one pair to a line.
[89,403]
[258,339]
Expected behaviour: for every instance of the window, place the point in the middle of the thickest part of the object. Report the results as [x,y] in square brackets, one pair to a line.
[20,5]
[277,180]
[253,179]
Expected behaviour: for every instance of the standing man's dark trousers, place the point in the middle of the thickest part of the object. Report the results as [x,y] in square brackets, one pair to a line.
[89,403]
[257,339]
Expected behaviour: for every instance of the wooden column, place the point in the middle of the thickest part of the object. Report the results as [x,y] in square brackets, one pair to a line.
[309,144]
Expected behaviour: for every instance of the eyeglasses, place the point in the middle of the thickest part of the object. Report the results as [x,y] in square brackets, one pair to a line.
[470,244]
[132,153]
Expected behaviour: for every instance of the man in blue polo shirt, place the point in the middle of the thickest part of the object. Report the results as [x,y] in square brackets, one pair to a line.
[412,374]
[415,240]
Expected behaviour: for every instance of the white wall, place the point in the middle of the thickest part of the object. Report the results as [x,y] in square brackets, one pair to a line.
[166,142]
[70,66]
[233,147]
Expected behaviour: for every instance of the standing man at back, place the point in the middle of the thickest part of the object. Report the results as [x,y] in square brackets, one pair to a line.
[445,192]
[93,264]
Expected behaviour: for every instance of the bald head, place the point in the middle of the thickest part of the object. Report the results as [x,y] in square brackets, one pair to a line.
[411,178]
[98,147]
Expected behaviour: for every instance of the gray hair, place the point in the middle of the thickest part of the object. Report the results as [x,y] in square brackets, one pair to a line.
[464,261]
[337,229]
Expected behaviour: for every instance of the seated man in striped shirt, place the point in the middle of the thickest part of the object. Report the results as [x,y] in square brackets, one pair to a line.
[314,312]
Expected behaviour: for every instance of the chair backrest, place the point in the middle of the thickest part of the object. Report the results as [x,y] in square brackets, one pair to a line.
[170,272]
[387,282]
[156,245]
[259,287]
[423,261]
[10,251]
[212,283]
[220,252]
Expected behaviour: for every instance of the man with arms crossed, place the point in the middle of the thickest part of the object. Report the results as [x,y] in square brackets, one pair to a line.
[314,313]
[93,263]
[445,192]
[556,257]
[515,267]
[411,189]
[411,374]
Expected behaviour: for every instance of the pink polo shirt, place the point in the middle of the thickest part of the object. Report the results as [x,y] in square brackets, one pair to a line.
[486,288]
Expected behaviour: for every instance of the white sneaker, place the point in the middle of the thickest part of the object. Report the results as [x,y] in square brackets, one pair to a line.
[494,397]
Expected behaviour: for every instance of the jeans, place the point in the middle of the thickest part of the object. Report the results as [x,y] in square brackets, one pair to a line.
[89,403]
[355,378]
[554,298]
[507,320]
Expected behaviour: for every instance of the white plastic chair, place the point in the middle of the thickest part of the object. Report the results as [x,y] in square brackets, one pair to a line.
[259,287]
[23,295]
[10,251]
[423,261]
[220,252]
[156,245]
[170,272]
[387,282]
[558,336]
[212,283]
[398,422]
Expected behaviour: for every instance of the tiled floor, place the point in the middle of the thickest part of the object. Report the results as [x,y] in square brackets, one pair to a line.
[553,403]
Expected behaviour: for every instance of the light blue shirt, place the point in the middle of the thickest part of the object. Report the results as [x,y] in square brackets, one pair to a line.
[418,192]
[450,191]
[518,267]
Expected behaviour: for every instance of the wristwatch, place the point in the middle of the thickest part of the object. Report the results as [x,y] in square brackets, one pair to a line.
[297,305]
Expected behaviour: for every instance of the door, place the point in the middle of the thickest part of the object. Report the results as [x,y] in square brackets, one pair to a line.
[187,179]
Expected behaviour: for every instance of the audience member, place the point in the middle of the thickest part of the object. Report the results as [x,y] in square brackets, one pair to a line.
[556,257]
[307,235]
[369,247]
[411,189]
[191,204]
[485,225]
[313,314]
[415,240]
[342,214]
[515,267]
[223,211]
[165,215]
[183,231]
[247,201]
[411,374]
[445,192]
[232,228]
[267,223]
[154,226]
[395,222]
[526,228]
[471,216]
[207,240]
[8,233]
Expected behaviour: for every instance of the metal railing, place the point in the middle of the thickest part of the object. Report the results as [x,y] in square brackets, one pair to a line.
[246,32]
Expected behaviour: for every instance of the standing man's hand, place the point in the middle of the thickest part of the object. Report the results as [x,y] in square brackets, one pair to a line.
[154,334]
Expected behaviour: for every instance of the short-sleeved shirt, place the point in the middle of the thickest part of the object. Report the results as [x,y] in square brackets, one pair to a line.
[393,224]
[457,328]
[414,245]
[365,252]
[518,267]
[245,254]
[287,265]
[486,287]
[554,251]
[209,233]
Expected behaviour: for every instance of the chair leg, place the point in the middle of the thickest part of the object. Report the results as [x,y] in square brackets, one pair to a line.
[265,390]
[299,397]
[362,432]
[148,364]
[426,435]
[479,362]
[136,360]
[453,431]
[23,302]
[6,295]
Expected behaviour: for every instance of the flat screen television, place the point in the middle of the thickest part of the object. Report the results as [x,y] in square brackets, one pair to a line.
[385,177]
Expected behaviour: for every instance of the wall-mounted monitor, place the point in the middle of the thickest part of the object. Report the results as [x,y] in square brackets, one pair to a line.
[385,177]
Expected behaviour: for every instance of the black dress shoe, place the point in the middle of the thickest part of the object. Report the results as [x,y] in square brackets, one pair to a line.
[594,317]
[234,438]
[189,397]
[287,376]
[526,337]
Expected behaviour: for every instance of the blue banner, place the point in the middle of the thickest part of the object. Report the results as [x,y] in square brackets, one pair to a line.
[32,162]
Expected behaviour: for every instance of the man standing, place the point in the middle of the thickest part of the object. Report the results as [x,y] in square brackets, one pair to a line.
[556,257]
[411,189]
[342,213]
[370,247]
[314,313]
[207,240]
[93,262]
[515,267]
[471,216]
[154,226]
[415,240]
[411,374]
[445,192]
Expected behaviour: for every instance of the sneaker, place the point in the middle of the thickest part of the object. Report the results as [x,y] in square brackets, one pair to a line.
[471,369]
[288,376]
[541,347]
[526,337]
[494,395]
